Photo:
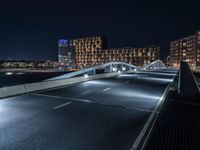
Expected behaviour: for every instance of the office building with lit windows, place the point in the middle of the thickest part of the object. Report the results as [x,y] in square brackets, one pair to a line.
[186,49]
[135,56]
[80,52]
[66,53]
[88,51]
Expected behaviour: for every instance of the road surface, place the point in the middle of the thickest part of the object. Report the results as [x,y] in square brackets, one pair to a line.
[104,114]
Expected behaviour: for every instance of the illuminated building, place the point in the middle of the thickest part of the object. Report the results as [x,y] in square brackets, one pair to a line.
[89,51]
[135,56]
[186,49]
[28,64]
[80,52]
[66,53]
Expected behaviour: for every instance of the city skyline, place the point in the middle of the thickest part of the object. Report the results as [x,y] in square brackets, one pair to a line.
[30,30]
[99,75]
[87,51]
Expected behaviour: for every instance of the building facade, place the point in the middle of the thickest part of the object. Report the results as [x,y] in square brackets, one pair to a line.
[88,51]
[80,52]
[135,56]
[186,49]
[66,53]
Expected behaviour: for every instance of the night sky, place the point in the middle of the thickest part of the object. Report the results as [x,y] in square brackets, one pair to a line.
[30,29]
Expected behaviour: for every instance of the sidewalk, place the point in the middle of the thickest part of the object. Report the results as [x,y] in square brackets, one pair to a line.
[178,124]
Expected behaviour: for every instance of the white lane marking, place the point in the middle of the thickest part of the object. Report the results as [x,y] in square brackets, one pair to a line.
[59,97]
[106,89]
[90,101]
[150,119]
[55,88]
[62,105]
[144,110]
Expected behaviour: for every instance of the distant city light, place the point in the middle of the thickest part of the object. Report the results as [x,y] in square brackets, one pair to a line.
[20,73]
[119,71]
[9,73]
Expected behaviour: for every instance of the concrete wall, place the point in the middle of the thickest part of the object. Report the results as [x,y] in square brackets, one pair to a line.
[12,90]
[33,87]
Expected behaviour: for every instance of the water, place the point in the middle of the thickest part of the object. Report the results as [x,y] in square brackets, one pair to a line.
[17,77]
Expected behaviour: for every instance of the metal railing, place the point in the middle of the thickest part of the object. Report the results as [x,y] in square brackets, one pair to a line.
[108,67]
[157,64]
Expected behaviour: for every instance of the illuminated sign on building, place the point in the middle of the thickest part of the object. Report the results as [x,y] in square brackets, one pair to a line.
[62,42]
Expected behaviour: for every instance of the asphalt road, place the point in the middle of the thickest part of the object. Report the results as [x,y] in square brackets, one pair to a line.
[106,114]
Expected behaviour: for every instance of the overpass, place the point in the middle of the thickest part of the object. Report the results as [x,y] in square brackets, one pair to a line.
[85,110]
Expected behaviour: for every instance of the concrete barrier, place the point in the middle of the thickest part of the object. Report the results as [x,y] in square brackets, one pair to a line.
[33,87]
[12,91]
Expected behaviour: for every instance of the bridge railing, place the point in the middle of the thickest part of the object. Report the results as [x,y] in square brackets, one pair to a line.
[157,64]
[108,67]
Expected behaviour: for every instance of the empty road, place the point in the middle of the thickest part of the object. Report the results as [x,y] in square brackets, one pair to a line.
[104,114]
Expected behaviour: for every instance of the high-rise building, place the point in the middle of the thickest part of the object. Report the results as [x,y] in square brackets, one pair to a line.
[186,49]
[66,53]
[82,51]
[89,51]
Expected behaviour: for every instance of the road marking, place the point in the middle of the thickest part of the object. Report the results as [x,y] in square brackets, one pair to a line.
[106,89]
[62,105]
[144,110]
[59,97]
[56,88]
[90,101]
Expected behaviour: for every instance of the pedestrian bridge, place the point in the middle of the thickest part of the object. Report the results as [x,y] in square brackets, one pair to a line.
[115,101]
[106,70]
[114,66]
[158,64]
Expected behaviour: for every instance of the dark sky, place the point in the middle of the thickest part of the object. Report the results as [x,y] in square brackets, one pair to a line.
[29,29]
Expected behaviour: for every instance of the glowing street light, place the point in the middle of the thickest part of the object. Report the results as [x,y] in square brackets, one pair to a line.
[20,73]
[114,69]
[86,75]
[9,73]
